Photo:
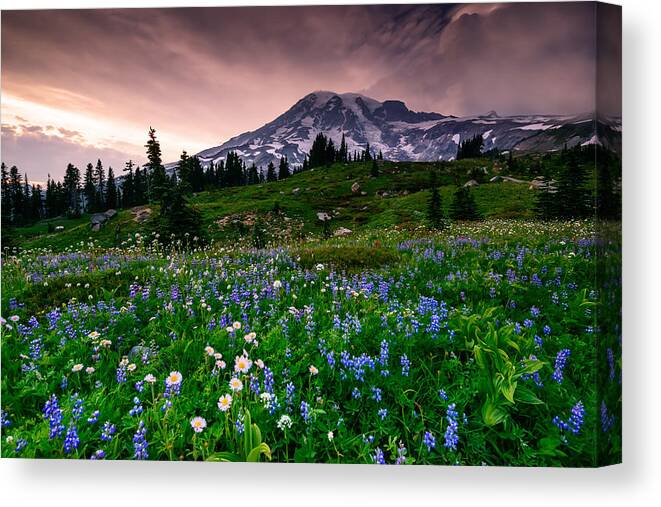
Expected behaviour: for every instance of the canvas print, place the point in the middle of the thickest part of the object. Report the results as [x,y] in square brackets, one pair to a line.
[384,234]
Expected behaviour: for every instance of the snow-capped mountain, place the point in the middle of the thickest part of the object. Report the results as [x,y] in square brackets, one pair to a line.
[402,134]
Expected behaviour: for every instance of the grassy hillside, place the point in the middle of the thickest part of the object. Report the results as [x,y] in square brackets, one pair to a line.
[397,197]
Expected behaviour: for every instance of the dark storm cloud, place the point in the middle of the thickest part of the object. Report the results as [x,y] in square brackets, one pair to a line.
[518,58]
[204,75]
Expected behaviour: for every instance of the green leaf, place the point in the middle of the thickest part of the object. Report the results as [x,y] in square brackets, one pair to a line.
[254,455]
[224,456]
[508,391]
[525,395]
[491,414]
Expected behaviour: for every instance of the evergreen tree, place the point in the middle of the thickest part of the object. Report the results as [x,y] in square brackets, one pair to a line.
[270,173]
[89,189]
[158,180]
[100,182]
[463,205]
[6,225]
[367,154]
[17,197]
[283,172]
[435,214]
[128,187]
[342,152]
[546,205]
[140,193]
[572,191]
[330,152]
[196,174]
[318,151]
[72,188]
[36,205]
[184,172]
[178,220]
[374,171]
[111,190]
[470,148]
[253,174]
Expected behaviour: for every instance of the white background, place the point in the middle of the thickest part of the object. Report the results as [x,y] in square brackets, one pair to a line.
[636,482]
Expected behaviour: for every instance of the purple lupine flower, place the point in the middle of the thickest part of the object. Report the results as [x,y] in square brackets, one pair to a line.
[429,440]
[305,411]
[451,437]
[560,362]
[378,457]
[140,443]
[575,421]
[108,431]
[71,439]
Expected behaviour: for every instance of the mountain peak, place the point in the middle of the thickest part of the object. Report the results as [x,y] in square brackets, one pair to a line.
[391,127]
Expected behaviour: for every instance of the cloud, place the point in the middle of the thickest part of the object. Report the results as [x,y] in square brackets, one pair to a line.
[203,75]
[515,58]
[39,153]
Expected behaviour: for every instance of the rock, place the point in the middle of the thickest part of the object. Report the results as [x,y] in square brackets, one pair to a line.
[296,191]
[323,216]
[355,188]
[111,213]
[97,220]
[141,213]
[59,228]
[405,192]
[137,352]
[471,183]
[342,231]
[363,193]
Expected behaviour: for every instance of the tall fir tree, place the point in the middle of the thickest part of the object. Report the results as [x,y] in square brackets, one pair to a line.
[6,224]
[546,203]
[111,190]
[89,189]
[100,182]
[572,189]
[158,180]
[17,197]
[270,173]
[342,153]
[36,204]
[374,171]
[435,215]
[463,206]
[140,191]
[72,188]
[283,172]
[128,186]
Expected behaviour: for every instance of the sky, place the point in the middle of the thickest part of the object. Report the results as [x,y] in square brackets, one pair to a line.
[78,85]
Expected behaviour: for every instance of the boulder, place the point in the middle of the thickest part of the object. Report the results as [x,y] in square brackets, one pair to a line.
[111,213]
[137,352]
[141,213]
[323,216]
[471,183]
[355,188]
[342,231]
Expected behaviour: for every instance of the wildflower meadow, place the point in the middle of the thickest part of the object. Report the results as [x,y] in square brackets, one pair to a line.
[489,343]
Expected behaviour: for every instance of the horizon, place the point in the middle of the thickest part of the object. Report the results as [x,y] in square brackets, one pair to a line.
[230,70]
